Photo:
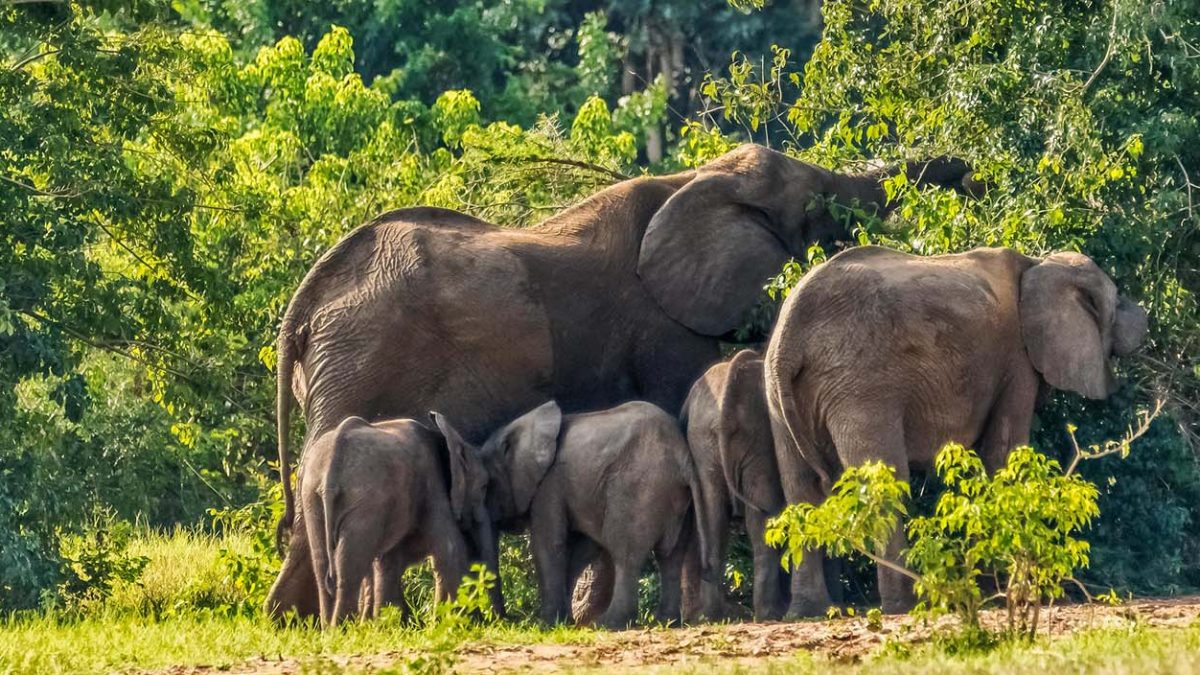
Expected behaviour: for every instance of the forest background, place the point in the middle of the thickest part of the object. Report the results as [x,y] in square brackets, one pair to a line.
[169,171]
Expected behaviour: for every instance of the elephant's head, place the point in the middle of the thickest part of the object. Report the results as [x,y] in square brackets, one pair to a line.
[710,248]
[744,435]
[468,494]
[517,457]
[1073,321]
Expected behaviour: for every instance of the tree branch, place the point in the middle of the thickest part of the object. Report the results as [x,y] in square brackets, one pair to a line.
[112,347]
[1108,52]
[43,193]
[884,562]
[588,166]
[1112,447]
[37,56]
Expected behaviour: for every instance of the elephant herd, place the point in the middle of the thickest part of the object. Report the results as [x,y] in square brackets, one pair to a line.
[459,380]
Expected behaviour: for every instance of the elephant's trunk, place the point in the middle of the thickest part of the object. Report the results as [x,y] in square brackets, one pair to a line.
[488,544]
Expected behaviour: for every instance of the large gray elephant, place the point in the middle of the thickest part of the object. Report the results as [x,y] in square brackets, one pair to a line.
[621,297]
[729,432]
[882,355]
[380,497]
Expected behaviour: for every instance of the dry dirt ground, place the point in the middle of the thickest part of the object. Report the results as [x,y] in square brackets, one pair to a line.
[846,639]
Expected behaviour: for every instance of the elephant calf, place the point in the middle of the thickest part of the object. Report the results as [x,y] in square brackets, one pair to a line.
[380,497]
[617,483]
[729,432]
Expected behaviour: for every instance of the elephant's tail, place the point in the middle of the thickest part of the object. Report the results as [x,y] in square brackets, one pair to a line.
[785,410]
[316,523]
[699,503]
[283,427]
[329,516]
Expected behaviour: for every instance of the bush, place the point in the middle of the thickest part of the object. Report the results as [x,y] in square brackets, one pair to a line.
[250,573]
[94,562]
[1020,526]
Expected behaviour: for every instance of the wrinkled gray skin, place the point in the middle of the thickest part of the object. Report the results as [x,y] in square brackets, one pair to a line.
[729,433]
[380,497]
[617,482]
[621,297]
[881,355]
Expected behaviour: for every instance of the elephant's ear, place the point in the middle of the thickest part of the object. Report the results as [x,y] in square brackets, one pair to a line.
[744,435]
[463,472]
[711,247]
[1067,306]
[532,443]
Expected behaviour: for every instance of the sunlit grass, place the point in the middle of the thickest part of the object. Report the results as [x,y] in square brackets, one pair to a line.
[51,645]
[161,622]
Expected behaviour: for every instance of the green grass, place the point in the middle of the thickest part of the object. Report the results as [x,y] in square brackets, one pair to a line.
[184,571]
[168,619]
[103,644]
[47,645]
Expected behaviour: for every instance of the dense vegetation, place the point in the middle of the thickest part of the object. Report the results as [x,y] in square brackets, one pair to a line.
[168,173]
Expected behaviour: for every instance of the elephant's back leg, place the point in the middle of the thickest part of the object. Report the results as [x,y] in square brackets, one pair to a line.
[801,484]
[295,589]
[868,435]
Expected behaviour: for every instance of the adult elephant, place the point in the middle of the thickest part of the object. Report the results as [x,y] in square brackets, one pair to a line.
[883,355]
[620,297]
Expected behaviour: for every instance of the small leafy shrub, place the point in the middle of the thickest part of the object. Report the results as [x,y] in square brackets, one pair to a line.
[1019,526]
[450,623]
[94,562]
[251,573]
[521,600]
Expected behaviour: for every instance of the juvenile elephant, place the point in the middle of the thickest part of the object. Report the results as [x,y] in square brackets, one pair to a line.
[419,308]
[380,497]
[883,355]
[617,483]
[729,432]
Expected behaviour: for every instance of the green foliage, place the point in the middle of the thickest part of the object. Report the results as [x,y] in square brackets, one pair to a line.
[1018,526]
[859,516]
[249,574]
[95,562]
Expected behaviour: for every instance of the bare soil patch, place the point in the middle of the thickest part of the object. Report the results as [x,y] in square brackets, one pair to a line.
[844,639]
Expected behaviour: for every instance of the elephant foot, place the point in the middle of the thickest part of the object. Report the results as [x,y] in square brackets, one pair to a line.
[772,614]
[898,605]
[592,593]
[806,609]
[615,622]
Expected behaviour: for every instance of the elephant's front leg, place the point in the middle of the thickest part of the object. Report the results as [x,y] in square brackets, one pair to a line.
[548,540]
[895,588]
[449,551]
[768,569]
[622,611]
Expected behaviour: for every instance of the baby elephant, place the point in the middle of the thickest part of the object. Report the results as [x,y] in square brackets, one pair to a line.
[729,432]
[619,480]
[380,497]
